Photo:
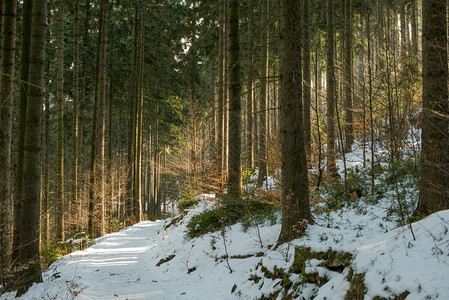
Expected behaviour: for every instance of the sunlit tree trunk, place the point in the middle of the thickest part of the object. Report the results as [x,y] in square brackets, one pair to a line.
[137,203]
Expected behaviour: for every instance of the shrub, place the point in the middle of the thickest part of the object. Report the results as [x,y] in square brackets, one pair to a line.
[248,212]
[188,199]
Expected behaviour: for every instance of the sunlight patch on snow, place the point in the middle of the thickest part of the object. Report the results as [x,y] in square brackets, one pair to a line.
[124,261]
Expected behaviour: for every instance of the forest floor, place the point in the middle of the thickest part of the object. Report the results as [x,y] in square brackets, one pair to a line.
[358,251]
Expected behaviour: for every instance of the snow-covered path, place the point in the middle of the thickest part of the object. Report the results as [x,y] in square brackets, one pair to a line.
[116,266]
[124,265]
[113,268]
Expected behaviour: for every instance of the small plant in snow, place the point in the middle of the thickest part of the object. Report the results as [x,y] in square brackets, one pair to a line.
[323,237]
[213,241]
[285,251]
[226,257]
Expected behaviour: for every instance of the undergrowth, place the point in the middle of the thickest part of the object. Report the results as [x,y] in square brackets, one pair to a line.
[54,251]
[188,199]
[248,212]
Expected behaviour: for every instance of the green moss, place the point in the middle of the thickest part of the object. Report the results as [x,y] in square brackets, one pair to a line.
[286,283]
[402,296]
[333,260]
[336,261]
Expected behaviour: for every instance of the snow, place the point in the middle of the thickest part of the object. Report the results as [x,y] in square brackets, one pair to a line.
[123,265]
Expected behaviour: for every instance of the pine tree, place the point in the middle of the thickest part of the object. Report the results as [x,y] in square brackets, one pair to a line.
[60,107]
[434,183]
[235,171]
[330,77]
[6,103]
[263,97]
[295,195]
[349,119]
[29,233]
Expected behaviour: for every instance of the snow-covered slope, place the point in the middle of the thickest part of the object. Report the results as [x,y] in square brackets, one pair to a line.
[123,265]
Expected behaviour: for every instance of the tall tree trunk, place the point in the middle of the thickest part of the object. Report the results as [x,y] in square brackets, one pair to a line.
[29,233]
[193,125]
[1,30]
[45,223]
[370,93]
[330,77]
[74,211]
[137,205]
[235,171]
[96,201]
[349,119]
[263,96]
[404,25]
[307,79]
[250,83]
[101,111]
[226,96]
[82,93]
[434,183]
[24,73]
[131,130]
[414,26]
[295,197]
[60,140]
[6,103]
[220,99]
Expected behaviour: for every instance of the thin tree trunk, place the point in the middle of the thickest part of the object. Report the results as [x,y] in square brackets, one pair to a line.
[82,97]
[131,132]
[45,225]
[330,77]
[220,104]
[263,97]
[370,92]
[414,26]
[250,92]
[349,119]
[226,95]
[74,201]
[139,108]
[60,212]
